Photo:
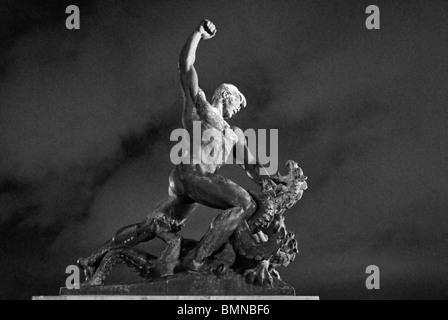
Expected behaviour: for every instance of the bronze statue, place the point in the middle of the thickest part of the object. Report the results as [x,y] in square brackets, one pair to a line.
[249,236]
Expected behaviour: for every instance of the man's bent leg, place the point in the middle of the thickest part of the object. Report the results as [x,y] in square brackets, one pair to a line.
[220,231]
[218,192]
[132,235]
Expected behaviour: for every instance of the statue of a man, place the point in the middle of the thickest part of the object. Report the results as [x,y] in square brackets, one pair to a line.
[197,182]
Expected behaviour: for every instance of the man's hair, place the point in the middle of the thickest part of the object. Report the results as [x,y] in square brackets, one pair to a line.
[227,87]
[218,92]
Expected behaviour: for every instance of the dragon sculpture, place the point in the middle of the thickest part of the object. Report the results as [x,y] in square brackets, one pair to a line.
[255,250]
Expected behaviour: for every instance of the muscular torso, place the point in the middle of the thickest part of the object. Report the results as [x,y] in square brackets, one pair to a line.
[200,162]
[217,137]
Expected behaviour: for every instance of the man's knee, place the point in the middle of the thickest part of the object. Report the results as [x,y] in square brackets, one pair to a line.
[240,213]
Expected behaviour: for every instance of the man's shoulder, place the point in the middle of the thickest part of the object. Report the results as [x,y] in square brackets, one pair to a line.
[237,130]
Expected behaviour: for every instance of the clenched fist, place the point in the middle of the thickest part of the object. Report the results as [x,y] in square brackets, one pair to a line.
[207,29]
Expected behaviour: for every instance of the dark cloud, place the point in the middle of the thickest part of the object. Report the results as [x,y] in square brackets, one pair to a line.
[85,119]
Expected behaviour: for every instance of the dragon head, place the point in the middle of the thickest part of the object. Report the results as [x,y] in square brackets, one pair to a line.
[295,172]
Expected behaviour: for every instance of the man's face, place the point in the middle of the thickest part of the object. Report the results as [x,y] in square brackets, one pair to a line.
[233,103]
[231,109]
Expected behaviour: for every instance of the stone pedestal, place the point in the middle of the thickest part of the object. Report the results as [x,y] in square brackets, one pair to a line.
[187,284]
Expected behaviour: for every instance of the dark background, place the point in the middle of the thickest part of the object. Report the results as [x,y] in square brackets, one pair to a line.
[86,117]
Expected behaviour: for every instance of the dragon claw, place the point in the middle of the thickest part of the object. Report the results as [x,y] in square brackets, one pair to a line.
[260,275]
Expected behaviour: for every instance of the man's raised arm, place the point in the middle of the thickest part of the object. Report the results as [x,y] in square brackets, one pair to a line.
[188,75]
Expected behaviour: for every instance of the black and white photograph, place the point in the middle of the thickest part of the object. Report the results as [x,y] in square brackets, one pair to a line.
[223,150]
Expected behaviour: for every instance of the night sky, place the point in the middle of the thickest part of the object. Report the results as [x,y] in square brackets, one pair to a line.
[86,117]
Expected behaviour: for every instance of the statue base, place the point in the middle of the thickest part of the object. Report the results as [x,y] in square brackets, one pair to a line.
[187,284]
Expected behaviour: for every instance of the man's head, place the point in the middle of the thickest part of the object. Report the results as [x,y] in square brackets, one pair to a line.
[231,99]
